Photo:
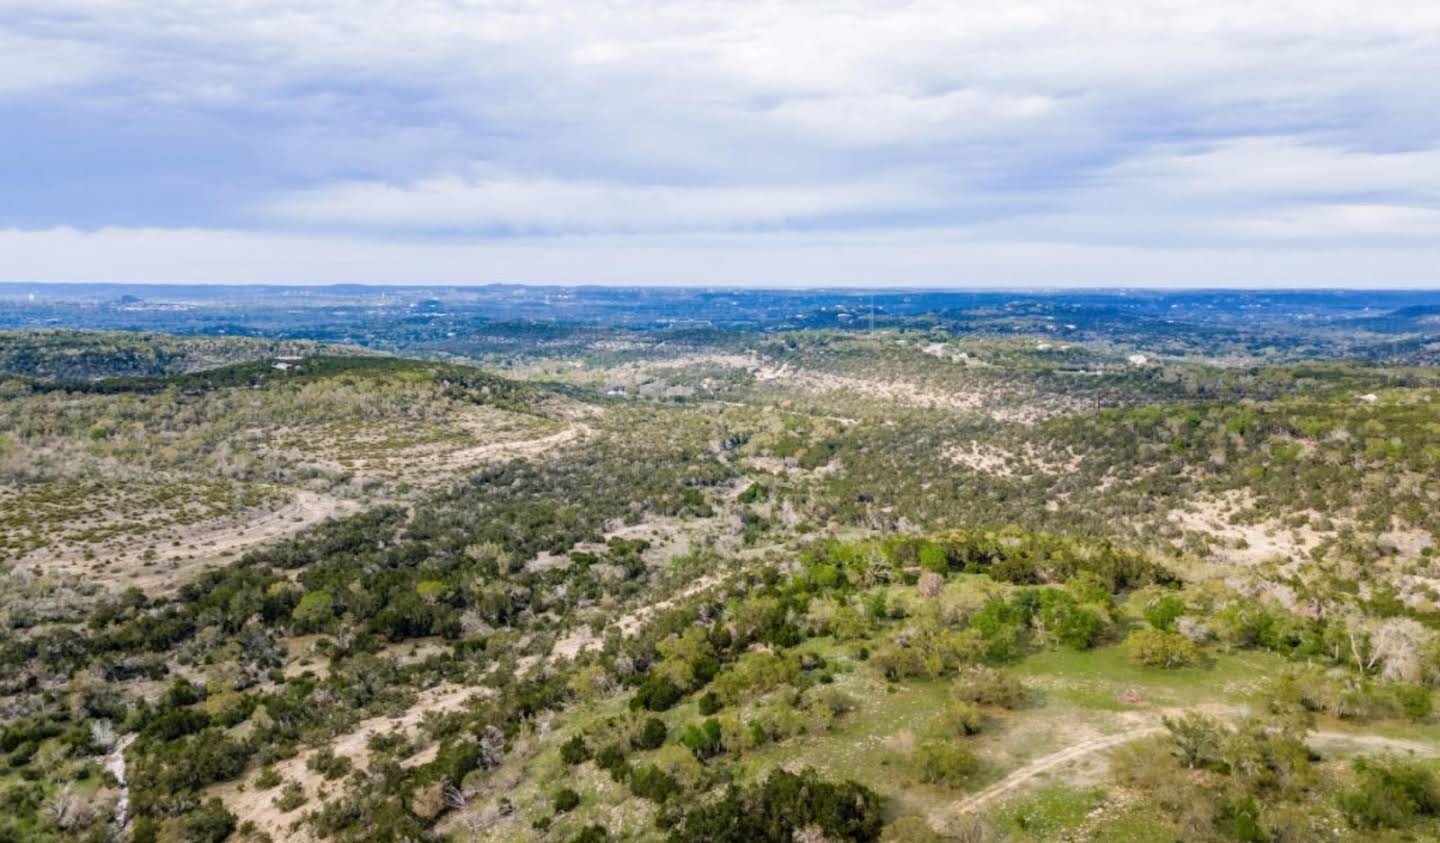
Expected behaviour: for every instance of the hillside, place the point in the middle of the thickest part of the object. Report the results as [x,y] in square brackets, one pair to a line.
[897,585]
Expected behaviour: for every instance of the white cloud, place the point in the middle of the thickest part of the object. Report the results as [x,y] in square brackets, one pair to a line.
[1096,133]
[507,202]
[30,65]
[926,257]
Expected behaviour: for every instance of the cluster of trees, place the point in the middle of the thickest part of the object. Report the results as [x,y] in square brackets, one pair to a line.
[452,567]
[780,807]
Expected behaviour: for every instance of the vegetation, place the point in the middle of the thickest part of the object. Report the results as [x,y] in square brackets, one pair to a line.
[789,584]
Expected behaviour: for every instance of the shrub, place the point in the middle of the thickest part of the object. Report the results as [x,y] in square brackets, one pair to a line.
[267,778]
[1198,739]
[611,759]
[650,782]
[1158,648]
[710,703]
[910,829]
[945,762]
[313,612]
[592,834]
[651,735]
[703,740]
[656,693]
[565,800]
[1163,611]
[292,796]
[960,719]
[989,686]
[209,823]
[325,762]
[1390,793]
[574,751]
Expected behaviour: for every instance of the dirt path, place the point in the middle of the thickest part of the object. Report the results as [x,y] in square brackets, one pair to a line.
[1044,765]
[1040,766]
[441,465]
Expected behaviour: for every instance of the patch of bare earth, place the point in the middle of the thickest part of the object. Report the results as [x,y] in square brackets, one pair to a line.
[171,556]
[1234,540]
[481,435]
[973,400]
[1001,462]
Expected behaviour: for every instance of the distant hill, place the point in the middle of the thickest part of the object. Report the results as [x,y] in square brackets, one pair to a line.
[1420,318]
[67,355]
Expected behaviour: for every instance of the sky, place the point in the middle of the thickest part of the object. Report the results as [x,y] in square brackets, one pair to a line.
[865,142]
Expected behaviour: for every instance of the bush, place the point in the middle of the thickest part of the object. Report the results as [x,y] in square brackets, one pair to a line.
[1163,611]
[651,782]
[710,703]
[1390,793]
[945,762]
[325,762]
[910,829]
[574,751]
[592,834]
[314,611]
[1158,648]
[989,686]
[656,694]
[651,735]
[565,800]
[209,823]
[703,740]
[292,796]
[960,719]
[611,759]
[267,778]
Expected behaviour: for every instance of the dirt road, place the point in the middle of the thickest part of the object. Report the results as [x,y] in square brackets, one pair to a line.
[1070,754]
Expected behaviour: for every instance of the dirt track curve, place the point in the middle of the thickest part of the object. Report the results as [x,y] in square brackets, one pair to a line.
[1018,778]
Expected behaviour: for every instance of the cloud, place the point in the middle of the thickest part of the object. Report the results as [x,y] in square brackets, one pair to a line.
[912,258]
[1131,125]
[30,65]
[552,204]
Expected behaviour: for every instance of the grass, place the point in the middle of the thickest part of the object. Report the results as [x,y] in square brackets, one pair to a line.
[1094,679]
[1048,812]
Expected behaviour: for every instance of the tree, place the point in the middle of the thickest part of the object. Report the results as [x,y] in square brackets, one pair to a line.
[1398,645]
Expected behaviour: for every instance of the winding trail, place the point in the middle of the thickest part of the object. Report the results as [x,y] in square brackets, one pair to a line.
[980,798]
[1040,766]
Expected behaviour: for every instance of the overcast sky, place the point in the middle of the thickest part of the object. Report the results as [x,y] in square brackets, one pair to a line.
[876,142]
